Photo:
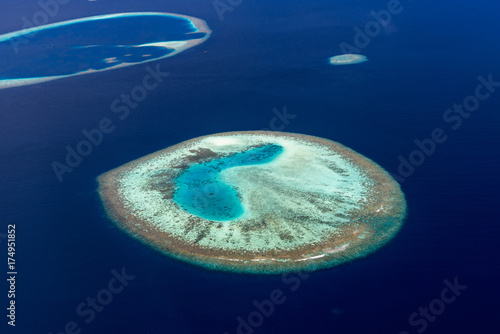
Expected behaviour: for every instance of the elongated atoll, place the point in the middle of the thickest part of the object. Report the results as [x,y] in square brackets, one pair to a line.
[256,202]
[93,44]
[347,59]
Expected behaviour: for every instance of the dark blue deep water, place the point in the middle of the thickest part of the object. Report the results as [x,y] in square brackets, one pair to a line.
[265,66]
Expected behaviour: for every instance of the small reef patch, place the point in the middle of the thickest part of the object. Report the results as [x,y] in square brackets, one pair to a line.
[347,59]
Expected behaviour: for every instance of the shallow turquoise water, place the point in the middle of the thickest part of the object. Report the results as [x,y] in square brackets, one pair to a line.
[201,192]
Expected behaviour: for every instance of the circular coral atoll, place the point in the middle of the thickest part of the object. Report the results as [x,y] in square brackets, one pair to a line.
[256,202]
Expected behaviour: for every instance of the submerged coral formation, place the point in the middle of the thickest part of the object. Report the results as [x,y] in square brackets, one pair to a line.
[97,43]
[347,59]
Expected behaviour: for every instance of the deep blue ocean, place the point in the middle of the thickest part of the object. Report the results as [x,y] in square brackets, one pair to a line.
[262,59]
